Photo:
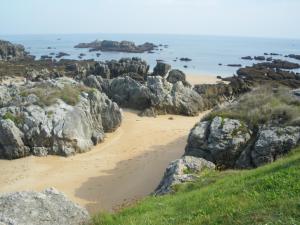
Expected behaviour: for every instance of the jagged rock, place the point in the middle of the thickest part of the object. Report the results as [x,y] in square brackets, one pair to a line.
[161,69]
[214,94]
[9,51]
[53,123]
[129,93]
[177,75]
[127,65]
[180,171]
[40,208]
[220,141]
[274,142]
[11,143]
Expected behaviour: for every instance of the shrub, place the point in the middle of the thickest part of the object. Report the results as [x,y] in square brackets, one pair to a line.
[262,105]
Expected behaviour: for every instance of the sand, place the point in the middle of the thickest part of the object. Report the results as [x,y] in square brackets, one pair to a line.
[127,166]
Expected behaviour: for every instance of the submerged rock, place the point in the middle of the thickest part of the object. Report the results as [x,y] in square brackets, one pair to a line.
[180,171]
[40,208]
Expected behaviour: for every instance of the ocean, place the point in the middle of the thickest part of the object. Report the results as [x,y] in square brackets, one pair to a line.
[206,52]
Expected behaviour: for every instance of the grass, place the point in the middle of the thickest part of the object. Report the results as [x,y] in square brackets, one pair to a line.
[262,105]
[48,95]
[17,119]
[267,195]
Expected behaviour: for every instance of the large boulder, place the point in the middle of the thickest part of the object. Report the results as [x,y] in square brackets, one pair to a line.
[274,142]
[220,141]
[58,117]
[40,208]
[161,69]
[11,143]
[177,75]
[129,93]
[180,171]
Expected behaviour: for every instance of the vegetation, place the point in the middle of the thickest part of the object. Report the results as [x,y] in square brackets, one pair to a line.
[263,105]
[17,119]
[267,195]
[48,95]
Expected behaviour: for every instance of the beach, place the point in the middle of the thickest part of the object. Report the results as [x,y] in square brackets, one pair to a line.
[127,166]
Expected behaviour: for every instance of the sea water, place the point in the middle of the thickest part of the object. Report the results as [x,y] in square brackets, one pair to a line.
[206,52]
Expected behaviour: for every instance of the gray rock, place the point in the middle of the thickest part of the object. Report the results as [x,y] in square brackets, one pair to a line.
[220,141]
[59,128]
[11,143]
[180,171]
[9,51]
[177,75]
[45,208]
[274,142]
[161,69]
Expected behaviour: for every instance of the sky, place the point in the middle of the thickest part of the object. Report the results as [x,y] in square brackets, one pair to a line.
[259,18]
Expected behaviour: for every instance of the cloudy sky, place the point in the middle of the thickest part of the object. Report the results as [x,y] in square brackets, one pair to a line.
[266,18]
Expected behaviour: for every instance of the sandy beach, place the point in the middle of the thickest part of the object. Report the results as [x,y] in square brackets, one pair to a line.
[128,165]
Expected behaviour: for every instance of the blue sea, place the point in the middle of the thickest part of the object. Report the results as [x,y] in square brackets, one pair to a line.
[206,52]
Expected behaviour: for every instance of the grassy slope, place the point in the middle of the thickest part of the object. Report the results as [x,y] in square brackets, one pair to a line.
[267,195]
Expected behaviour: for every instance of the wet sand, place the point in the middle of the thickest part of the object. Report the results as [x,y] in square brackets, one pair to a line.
[127,166]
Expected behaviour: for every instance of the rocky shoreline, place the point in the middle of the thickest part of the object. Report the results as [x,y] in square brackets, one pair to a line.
[65,107]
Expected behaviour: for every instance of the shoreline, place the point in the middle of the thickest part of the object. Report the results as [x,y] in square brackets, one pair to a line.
[126,167]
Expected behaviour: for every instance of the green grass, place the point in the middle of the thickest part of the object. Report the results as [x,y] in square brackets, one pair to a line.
[261,106]
[267,195]
[17,119]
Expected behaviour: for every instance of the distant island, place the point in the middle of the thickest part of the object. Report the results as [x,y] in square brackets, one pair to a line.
[115,46]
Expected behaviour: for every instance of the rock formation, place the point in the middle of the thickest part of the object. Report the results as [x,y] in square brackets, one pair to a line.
[114,46]
[9,51]
[55,117]
[40,208]
[180,171]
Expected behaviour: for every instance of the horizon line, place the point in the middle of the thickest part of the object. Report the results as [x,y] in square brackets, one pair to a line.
[134,33]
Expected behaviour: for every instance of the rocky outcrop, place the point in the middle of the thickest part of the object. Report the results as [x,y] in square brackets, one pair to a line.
[214,94]
[161,69]
[114,46]
[9,51]
[247,58]
[231,144]
[56,117]
[293,56]
[183,170]
[278,64]
[156,95]
[40,208]
[177,75]
[220,141]
[274,142]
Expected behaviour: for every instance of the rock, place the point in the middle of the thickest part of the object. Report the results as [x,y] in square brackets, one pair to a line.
[9,51]
[234,65]
[274,142]
[183,170]
[114,46]
[173,99]
[177,75]
[129,93]
[11,143]
[40,208]
[278,64]
[127,65]
[247,58]
[214,94]
[56,123]
[260,58]
[161,69]
[293,56]
[220,141]
[185,59]
[61,54]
